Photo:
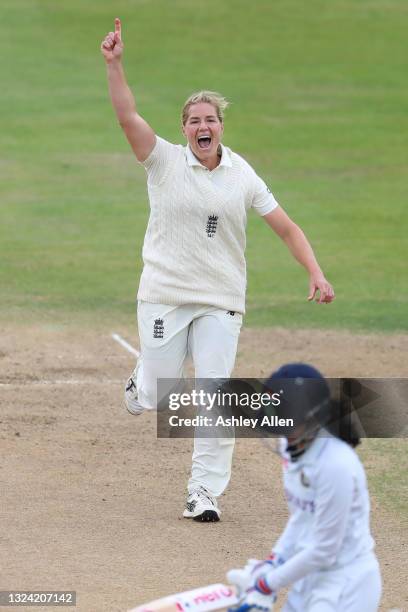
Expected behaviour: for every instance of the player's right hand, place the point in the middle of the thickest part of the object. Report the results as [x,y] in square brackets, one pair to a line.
[254,601]
[112,45]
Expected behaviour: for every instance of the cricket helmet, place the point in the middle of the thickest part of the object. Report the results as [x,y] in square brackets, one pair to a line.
[304,398]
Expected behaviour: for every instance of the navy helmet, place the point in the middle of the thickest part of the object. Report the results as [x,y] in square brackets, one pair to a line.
[305,399]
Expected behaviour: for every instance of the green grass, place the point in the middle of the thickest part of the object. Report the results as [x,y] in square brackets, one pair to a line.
[386,465]
[319,108]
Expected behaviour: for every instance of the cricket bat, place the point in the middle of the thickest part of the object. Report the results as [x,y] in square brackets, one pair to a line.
[204,599]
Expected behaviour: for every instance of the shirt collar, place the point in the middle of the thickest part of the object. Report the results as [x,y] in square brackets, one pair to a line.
[225,158]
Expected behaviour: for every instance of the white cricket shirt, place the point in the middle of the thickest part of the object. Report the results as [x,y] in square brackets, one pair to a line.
[194,246]
[329,525]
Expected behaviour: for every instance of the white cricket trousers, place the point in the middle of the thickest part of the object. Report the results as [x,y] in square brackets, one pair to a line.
[353,588]
[210,335]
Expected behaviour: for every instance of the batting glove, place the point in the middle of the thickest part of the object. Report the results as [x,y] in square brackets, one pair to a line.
[259,598]
[242,578]
[245,577]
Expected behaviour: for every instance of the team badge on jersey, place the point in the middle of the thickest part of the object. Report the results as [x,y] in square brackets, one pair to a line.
[212,225]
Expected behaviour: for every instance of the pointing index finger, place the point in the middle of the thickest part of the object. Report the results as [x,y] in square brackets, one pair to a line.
[118,27]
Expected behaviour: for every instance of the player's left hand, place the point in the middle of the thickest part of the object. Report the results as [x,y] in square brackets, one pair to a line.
[318,284]
[255,601]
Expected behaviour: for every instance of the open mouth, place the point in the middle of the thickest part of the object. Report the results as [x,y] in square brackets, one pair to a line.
[204,142]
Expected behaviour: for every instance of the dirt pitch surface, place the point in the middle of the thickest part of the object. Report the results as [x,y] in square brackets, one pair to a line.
[92,501]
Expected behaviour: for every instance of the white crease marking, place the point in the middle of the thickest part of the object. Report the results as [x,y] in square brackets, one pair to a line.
[126,345]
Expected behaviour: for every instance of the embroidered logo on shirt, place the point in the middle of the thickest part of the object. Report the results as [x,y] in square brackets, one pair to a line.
[306,505]
[158,328]
[211,225]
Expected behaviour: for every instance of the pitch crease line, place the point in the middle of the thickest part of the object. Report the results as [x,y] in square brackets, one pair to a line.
[125,345]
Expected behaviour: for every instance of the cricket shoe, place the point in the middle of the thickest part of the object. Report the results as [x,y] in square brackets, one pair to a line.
[202,506]
[132,403]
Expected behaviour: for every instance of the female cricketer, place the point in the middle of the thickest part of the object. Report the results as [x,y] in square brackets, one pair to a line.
[326,551]
[191,295]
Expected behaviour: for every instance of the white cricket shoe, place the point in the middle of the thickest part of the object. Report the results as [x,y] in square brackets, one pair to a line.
[132,403]
[202,506]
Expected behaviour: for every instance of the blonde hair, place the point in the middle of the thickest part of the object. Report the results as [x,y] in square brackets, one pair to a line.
[210,97]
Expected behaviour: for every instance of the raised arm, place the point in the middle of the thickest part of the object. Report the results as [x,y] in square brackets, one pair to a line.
[138,132]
